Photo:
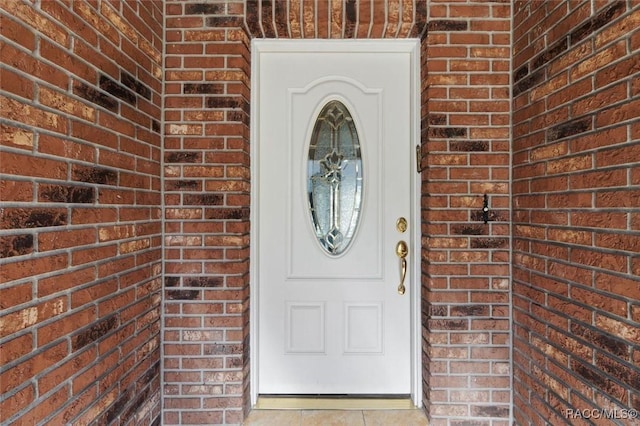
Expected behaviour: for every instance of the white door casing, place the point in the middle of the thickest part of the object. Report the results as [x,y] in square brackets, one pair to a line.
[320,323]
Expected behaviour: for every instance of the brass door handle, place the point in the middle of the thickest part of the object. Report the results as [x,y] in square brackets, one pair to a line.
[402,250]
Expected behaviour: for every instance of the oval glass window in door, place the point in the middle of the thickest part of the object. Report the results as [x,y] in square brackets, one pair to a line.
[334,178]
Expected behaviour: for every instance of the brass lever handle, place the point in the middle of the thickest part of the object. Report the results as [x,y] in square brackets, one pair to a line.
[402,250]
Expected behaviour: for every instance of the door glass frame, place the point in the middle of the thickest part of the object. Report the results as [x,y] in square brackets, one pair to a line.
[412,48]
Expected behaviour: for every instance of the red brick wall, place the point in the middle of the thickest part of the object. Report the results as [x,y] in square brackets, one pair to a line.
[80,246]
[576,199]
[466,286]
[206,214]
[80,221]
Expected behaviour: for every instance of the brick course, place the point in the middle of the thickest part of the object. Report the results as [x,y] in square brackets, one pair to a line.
[80,242]
[574,152]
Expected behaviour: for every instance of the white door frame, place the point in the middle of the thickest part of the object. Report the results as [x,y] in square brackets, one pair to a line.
[409,46]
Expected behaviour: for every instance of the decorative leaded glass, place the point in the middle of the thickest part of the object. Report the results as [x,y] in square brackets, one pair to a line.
[334,177]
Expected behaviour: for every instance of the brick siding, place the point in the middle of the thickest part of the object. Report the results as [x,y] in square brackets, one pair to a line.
[80,245]
[466,286]
[95,169]
[206,214]
[576,198]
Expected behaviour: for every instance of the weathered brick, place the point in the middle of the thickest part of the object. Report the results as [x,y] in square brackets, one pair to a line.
[136,85]
[569,129]
[592,68]
[447,25]
[60,125]
[93,95]
[15,218]
[550,54]
[183,294]
[92,174]
[66,194]
[204,8]
[448,132]
[94,333]
[595,23]
[202,88]
[16,245]
[528,82]
[119,91]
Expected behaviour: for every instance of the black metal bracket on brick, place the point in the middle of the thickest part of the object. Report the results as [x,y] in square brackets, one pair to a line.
[485,209]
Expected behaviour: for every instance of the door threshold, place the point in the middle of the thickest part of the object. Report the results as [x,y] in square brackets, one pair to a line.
[332,403]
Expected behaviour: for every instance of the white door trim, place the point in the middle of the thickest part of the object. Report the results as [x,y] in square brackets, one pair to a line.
[410,46]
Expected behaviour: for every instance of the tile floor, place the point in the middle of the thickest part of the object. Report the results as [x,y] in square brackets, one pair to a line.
[336,418]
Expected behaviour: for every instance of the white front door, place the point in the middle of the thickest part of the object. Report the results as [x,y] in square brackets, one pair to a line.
[334,175]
